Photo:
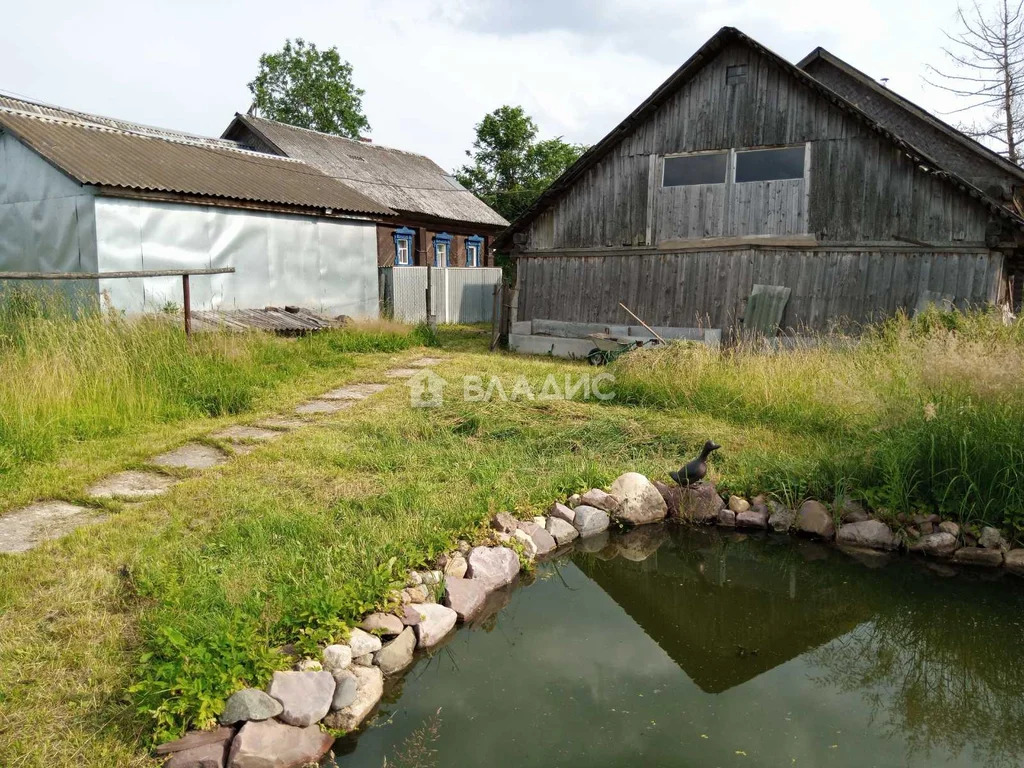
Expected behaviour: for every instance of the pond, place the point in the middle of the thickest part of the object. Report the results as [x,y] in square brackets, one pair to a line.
[691,647]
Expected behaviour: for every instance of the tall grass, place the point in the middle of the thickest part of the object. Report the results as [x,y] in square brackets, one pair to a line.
[922,415]
[68,373]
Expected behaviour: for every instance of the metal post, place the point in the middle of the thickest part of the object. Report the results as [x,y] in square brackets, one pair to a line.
[187,300]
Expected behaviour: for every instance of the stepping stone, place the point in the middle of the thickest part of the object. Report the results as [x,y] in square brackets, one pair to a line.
[424,362]
[240,432]
[323,406]
[132,484]
[354,392]
[23,529]
[282,423]
[191,456]
[401,373]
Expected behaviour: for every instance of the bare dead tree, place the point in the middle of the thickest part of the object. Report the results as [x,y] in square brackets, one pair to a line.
[986,57]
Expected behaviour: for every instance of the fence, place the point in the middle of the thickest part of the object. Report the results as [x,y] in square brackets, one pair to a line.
[458,294]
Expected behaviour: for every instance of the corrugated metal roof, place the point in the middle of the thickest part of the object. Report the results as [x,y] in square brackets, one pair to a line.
[403,181]
[117,158]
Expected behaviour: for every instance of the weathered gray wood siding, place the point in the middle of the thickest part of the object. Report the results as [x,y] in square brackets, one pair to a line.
[710,288]
[861,186]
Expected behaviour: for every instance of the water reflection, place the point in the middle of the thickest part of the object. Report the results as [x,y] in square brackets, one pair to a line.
[700,647]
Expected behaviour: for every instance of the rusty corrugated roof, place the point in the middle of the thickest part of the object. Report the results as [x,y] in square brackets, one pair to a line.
[116,158]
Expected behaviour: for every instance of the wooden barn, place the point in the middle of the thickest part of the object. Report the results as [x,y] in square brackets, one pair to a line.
[747,193]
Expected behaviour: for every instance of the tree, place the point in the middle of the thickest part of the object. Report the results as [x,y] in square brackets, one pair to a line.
[303,86]
[987,58]
[510,166]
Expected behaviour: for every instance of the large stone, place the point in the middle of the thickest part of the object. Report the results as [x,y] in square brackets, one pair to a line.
[272,744]
[369,689]
[362,643]
[781,519]
[409,616]
[363,661]
[397,655]
[991,538]
[529,545]
[504,522]
[305,696]
[194,739]
[206,756]
[436,621]
[851,511]
[466,596]
[935,544]
[755,517]
[131,485]
[417,594]
[1015,561]
[671,495]
[494,567]
[815,519]
[700,503]
[456,567]
[992,558]
[726,518]
[562,531]
[191,456]
[345,687]
[543,541]
[738,505]
[641,503]
[337,656]
[948,526]
[590,521]
[871,534]
[606,502]
[249,704]
[562,512]
[574,501]
[382,624]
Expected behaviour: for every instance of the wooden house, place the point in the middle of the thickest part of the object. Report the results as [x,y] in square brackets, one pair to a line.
[743,175]
[439,222]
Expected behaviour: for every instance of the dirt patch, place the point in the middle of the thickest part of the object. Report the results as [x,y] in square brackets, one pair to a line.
[131,485]
[354,392]
[191,456]
[25,528]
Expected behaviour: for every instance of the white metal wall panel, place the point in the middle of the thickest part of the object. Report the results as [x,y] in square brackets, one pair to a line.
[46,220]
[458,294]
[328,266]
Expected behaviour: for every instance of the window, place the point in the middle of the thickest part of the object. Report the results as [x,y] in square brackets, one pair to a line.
[474,249]
[688,170]
[735,74]
[770,164]
[403,246]
[442,249]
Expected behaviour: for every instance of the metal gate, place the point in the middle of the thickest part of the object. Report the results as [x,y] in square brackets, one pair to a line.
[458,294]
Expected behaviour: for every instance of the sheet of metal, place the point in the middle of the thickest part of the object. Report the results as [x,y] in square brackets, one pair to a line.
[458,295]
[325,265]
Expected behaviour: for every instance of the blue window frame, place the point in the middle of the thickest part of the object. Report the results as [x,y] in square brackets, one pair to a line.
[403,247]
[442,249]
[474,251]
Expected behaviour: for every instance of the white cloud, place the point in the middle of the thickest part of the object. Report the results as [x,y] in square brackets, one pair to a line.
[431,70]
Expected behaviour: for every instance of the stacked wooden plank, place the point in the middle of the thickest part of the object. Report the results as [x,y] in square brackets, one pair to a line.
[285,320]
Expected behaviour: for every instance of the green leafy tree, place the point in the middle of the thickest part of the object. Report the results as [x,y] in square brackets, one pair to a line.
[301,85]
[510,166]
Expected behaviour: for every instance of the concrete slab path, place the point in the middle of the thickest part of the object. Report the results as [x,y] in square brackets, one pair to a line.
[24,528]
[133,485]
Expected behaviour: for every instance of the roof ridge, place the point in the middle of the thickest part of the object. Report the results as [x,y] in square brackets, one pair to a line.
[173,138]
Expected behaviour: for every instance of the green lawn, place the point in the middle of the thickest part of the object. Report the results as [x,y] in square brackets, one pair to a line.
[143,624]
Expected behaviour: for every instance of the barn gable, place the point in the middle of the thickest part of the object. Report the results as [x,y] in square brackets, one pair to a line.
[858,182]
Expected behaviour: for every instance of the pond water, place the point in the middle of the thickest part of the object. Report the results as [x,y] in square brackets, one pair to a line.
[682,647]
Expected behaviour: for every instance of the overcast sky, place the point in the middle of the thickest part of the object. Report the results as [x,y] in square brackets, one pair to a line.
[432,68]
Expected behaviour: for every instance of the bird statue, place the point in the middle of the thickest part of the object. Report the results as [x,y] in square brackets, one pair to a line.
[696,469]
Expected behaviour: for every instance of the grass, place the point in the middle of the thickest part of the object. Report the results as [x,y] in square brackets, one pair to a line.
[141,626]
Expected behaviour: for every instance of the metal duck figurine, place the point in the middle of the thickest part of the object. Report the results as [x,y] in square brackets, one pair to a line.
[696,469]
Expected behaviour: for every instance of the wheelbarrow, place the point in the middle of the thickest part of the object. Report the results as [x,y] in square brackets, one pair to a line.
[609,348]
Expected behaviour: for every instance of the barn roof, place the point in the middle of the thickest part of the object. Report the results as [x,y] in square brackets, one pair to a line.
[681,77]
[126,156]
[400,180]
[903,117]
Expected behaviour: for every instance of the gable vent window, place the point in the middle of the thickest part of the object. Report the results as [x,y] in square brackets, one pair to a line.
[689,170]
[770,164]
[736,74]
